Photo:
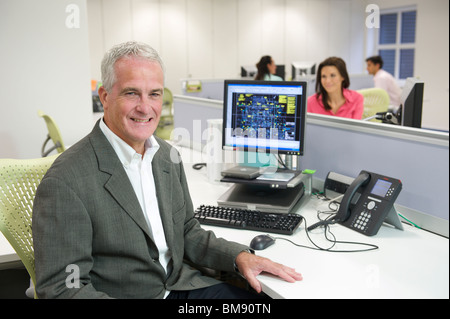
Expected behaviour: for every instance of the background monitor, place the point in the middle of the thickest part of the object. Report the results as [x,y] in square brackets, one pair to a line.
[264,116]
[280,71]
[248,71]
[412,101]
[300,69]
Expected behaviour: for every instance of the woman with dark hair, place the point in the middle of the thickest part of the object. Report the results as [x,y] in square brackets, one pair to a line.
[267,69]
[332,94]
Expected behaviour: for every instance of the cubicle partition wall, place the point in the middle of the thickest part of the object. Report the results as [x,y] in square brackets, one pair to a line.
[208,88]
[213,88]
[190,119]
[419,158]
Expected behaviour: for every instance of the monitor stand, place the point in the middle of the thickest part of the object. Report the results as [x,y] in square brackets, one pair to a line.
[261,198]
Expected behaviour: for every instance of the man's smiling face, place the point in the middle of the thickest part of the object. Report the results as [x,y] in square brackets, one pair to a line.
[133,105]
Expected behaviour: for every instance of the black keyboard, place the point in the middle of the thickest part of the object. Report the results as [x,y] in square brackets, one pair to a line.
[248,219]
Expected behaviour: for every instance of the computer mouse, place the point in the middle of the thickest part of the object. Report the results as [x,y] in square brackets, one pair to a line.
[261,242]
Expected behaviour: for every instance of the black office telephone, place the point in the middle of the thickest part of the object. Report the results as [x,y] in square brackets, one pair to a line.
[368,202]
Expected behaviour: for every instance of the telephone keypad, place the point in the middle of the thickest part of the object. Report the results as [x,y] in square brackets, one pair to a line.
[390,191]
[362,220]
[376,195]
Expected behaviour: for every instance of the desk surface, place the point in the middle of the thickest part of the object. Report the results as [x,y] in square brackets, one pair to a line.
[7,253]
[408,264]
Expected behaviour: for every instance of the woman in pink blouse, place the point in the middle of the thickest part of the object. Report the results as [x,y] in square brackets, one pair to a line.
[333,96]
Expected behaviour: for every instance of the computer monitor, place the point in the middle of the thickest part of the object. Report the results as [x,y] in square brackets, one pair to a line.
[264,116]
[412,101]
[300,69]
[248,71]
[280,71]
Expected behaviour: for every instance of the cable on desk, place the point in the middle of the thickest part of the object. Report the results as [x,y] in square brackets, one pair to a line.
[333,241]
[318,194]
[198,166]
[331,213]
[417,226]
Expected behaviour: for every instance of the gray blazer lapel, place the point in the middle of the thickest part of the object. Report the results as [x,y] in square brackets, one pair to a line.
[126,198]
[162,173]
[118,185]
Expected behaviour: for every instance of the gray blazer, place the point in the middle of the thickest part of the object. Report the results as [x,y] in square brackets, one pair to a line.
[86,214]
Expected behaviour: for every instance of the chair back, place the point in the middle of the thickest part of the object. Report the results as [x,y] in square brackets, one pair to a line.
[165,125]
[19,179]
[53,133]
[375,100]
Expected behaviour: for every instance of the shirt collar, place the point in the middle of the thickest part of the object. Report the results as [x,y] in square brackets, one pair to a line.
[124,151]
[348,96]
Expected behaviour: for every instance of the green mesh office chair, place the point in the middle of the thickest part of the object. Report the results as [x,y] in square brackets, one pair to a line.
[165,125]
[53,134]
[18,183]
[375,100]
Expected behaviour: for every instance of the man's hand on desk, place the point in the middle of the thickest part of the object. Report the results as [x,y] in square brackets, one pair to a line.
[250,266]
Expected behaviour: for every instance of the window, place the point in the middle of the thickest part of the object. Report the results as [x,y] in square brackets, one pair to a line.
[397,40]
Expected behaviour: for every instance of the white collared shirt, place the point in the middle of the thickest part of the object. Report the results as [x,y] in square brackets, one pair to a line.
[139,171]
[386,81]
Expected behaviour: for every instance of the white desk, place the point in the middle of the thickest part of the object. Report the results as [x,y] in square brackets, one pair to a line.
[408,264]
[8,257]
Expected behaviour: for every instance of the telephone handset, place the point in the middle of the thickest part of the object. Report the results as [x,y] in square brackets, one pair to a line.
[366,214]
[344,209]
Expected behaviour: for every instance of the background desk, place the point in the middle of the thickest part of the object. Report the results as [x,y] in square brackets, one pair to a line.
[408,264]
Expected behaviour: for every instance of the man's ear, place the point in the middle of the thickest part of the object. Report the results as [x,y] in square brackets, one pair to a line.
[103,95]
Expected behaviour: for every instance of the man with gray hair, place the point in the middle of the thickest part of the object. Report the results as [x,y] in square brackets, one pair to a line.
[114,213]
